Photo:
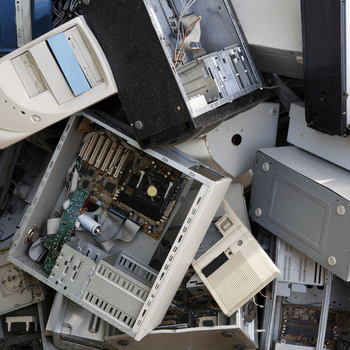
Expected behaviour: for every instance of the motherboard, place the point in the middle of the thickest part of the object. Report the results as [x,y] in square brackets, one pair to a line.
[300,326]
[127,181]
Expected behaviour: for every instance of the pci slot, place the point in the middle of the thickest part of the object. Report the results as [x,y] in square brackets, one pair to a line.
[90,144]
[115,159]
[121,163]
[84,148]
[97,149]
[103,153]
[109,156]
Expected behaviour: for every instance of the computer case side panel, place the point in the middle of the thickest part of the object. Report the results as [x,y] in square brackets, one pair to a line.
[324,56]
[149,86]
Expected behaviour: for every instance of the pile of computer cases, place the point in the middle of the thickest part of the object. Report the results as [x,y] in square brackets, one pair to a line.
[164,216]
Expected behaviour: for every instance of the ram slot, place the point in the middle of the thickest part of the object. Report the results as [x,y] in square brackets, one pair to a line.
[121,164]
[115,159]
[103,153]
[91,142]
[97,150]
[109,156]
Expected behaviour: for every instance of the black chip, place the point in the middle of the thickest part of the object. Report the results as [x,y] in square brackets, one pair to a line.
[84,170]
[85,184]
[91,172]
[110,187]
[134,180]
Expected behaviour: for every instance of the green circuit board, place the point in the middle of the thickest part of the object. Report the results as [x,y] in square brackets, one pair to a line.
[54,244]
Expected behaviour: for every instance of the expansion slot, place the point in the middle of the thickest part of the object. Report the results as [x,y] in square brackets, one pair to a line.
[103,153]
[115,160]
[88,147]
[109,156]
[97,149]
[121,163]
[54,245]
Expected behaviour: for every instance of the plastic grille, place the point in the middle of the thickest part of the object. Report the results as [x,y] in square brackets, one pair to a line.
[234,280]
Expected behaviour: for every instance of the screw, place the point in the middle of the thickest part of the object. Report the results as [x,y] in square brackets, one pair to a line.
[258,212]
[299,59]
[178,108]
[340,210]
[86,2]
[240,242]
[138,125]
[332,261]
[273,111]
[36,118]
[265,166]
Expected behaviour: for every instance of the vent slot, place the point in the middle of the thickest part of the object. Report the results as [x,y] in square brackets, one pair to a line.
[123,283]
[138,270]
[109,309]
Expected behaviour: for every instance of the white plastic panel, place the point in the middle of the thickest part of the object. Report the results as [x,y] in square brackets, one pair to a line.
[21,113]
[236,267]
[334,148]
[51,72]
[231,146]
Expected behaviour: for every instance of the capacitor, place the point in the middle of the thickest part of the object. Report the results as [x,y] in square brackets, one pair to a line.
[66,204]
[89,224]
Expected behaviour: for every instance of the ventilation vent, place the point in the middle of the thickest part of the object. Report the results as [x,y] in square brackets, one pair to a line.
[123,283]
[138,270]
[297,267]
[221,319]
[319,274]
[109,309]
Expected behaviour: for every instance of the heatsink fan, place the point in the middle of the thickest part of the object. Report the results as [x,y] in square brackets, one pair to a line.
[152,190]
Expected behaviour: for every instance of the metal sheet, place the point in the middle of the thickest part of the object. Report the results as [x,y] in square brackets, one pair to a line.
[8,40]
[304,200]
[41,17]
[296,267]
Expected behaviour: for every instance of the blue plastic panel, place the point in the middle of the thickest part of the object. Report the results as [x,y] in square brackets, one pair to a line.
[8,31]
[41,17]
[68,63]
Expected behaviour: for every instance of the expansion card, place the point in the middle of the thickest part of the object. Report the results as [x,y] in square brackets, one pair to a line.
[54,244]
